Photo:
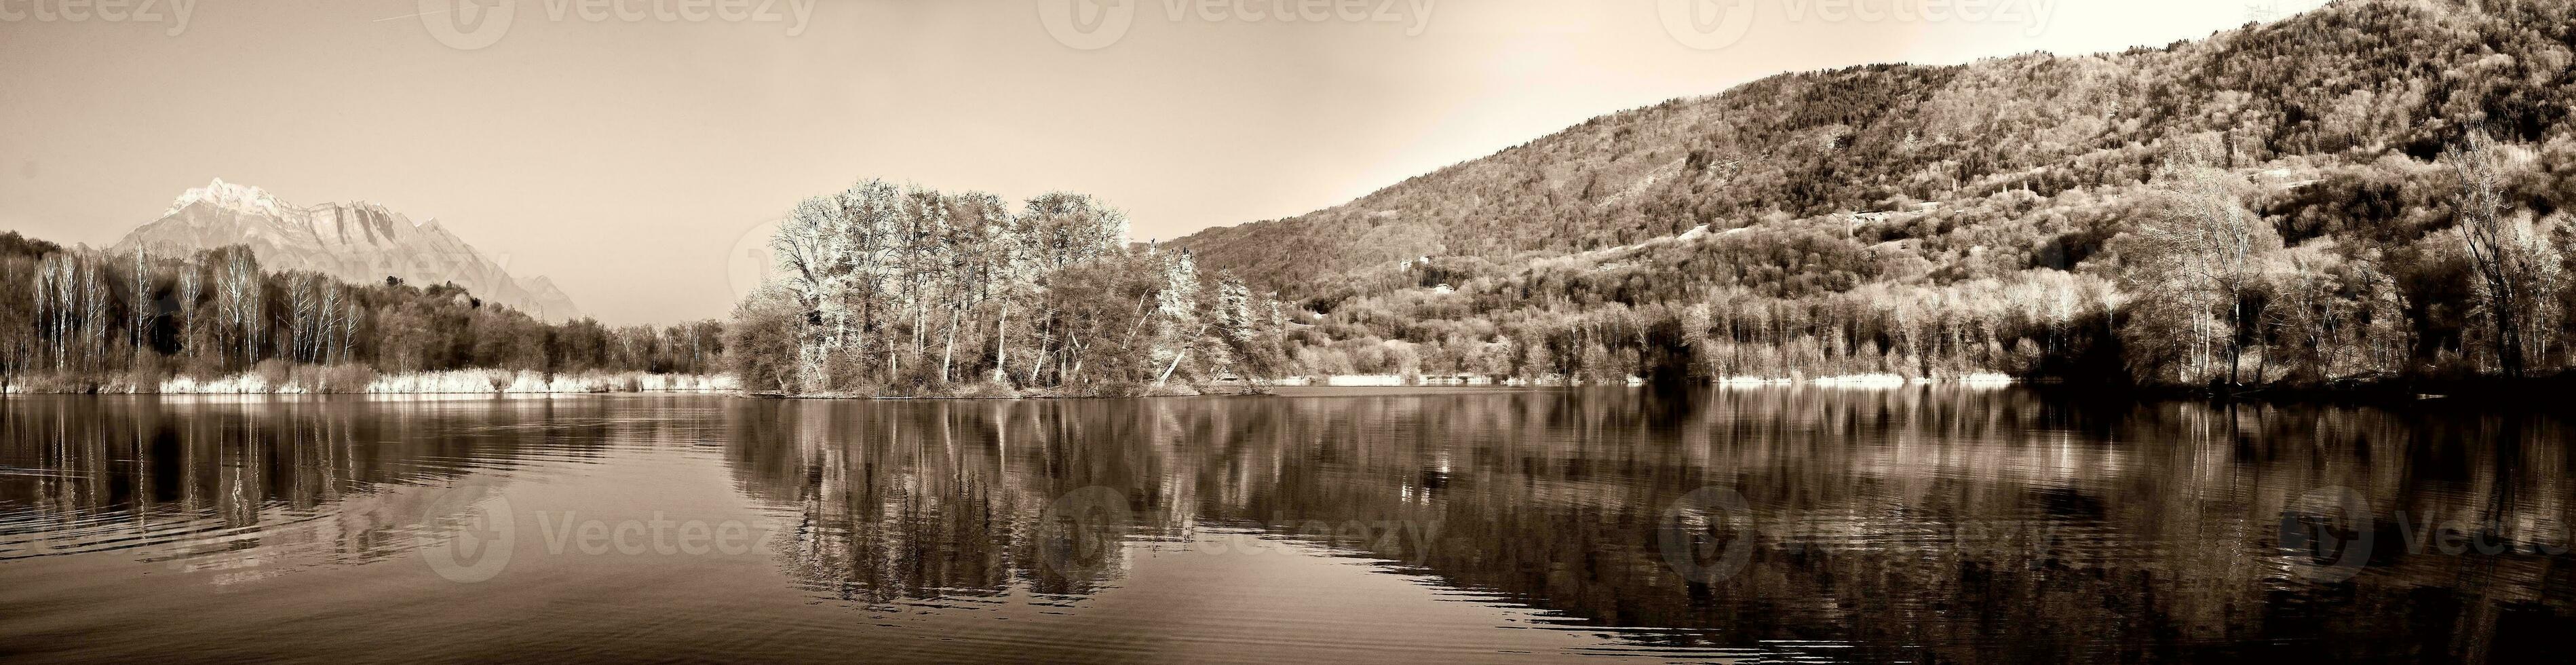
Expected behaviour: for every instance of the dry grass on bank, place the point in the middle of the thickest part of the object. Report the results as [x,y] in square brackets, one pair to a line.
[274,378]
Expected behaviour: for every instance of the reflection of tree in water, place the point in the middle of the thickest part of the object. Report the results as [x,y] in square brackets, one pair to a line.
[1922,523]
[253,487]
[932,500]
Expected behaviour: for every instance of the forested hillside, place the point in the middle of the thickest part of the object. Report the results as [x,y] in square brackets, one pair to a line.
[2306,201]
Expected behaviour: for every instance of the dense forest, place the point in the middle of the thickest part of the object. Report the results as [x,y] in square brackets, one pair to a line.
[906,291]
[2375,189]
[81,320]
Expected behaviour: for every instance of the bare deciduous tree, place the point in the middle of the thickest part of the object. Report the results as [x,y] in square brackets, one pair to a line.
[2515,268]
[2194,271]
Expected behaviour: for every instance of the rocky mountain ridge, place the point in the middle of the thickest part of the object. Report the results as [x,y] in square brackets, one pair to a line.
[356,241]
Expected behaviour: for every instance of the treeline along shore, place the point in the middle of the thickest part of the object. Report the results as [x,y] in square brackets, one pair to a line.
[885,290]
[2370,197]
[78,320]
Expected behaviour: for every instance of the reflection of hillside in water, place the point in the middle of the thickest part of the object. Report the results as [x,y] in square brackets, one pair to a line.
[1910,523]
[254,487]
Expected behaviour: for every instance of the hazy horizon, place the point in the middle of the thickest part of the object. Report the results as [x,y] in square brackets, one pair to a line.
[625,159]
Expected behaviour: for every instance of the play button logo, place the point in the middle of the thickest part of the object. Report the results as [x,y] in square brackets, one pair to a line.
[468,25]
[1707,25]
[1087,25]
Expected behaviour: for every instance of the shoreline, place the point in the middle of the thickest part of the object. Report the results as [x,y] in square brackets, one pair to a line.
[2447,392]
[357,381]
[2483,391]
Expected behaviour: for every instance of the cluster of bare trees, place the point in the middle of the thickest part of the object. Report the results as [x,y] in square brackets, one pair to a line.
[2212,281]
[94,312]
[79,319]
[2017,325]
[2518,272]
[68,292]
[904,289]
[2196,269]
[2030,322]
[324,320]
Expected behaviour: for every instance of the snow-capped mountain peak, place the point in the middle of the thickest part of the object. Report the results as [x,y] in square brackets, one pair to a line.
[359,242]
[228,195]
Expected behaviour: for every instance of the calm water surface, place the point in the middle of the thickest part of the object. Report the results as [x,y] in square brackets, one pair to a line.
[1922,524]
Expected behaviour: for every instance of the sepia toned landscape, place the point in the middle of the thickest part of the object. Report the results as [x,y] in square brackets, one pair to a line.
[1075,331]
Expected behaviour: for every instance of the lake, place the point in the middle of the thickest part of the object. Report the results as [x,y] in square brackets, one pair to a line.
[1723,524]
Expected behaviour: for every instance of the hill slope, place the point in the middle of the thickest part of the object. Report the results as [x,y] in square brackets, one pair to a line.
[1943,186]
[2346,84]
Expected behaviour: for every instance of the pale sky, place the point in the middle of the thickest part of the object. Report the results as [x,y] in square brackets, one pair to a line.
[628,157]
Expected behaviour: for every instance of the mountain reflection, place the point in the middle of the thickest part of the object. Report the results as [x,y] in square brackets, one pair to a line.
[1922,523]
[258,486]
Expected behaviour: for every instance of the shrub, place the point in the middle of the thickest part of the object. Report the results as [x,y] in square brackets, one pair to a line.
[343,379]
[274,374]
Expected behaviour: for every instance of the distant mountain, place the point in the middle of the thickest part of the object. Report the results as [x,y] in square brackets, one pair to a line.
[359,242]
[1974,170]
